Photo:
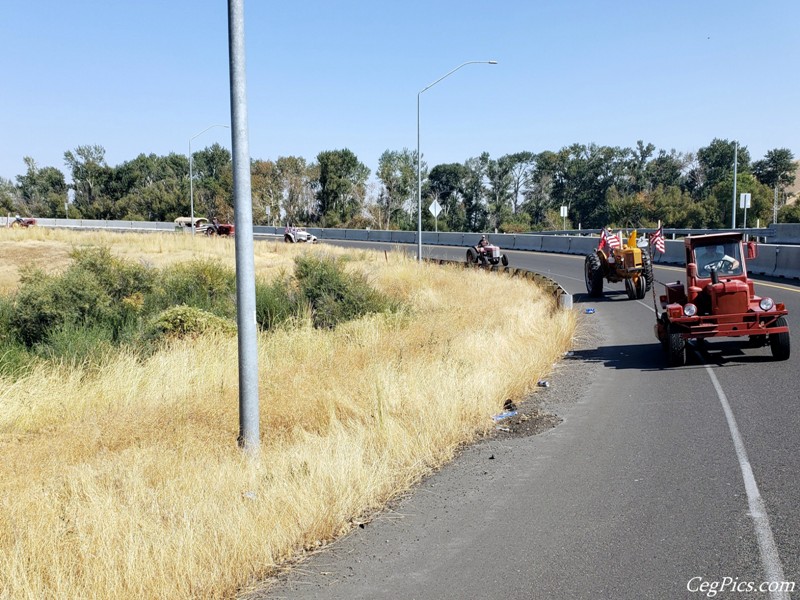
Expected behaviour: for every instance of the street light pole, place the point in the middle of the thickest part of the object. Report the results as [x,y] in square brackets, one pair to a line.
[191,175]
[419,156]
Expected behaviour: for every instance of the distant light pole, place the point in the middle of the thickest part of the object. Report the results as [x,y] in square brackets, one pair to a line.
[419,156]
[191,177]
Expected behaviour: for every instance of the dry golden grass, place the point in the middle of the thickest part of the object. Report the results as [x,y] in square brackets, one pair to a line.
[128,483]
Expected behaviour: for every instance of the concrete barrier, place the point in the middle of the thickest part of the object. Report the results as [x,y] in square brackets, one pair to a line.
[765,262]
[356,234]
[404,237]
[788,262]
[451,239]
[582,245]
[379,236]
[528,242]
[552,243]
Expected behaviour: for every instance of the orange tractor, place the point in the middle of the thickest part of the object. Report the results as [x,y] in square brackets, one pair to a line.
[615,261]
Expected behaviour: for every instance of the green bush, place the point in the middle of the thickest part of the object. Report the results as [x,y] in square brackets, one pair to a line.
[188,321]
[205,284]
[276,302]
[119,278]
[78,345]
[335,295]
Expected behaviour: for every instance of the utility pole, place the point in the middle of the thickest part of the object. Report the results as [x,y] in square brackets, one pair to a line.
[735,168]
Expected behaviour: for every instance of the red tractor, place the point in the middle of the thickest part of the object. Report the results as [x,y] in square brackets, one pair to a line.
[217,228]
[719,300]
[22,222]
[484,254]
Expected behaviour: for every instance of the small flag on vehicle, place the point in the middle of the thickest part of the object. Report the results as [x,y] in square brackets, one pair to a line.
[657,239]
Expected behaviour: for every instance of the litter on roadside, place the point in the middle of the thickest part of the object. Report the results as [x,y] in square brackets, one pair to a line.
[589,311]
[504,415]
[543,383]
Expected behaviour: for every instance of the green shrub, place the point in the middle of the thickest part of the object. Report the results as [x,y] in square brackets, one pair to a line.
[45,302]
[78,345]
[118,277]
[205,284]
[276,302]
[334,294]
[188,321]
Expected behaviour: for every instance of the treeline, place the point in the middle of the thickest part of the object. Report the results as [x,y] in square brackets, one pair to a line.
[599,185]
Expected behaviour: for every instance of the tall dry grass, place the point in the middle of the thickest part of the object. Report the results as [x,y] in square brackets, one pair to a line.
[128,483]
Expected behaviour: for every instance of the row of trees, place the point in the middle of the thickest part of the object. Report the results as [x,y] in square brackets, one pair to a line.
[599,185]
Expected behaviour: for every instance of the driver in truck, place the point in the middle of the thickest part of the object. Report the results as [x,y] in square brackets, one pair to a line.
[719,257]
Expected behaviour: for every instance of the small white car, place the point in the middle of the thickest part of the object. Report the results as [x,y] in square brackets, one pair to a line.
[294,235]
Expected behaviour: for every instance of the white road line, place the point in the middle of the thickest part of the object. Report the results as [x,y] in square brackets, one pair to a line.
[770,560]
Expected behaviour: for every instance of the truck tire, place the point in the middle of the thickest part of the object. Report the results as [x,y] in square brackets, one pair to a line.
[593,272]
[676,350]
[647,269]
[779,342]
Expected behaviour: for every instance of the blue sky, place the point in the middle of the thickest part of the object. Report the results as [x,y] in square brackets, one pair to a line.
[145,76]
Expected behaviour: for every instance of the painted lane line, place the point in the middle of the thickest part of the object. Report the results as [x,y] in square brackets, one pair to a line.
[770,560]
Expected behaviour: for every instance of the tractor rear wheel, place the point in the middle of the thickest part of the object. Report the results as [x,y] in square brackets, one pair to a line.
[593,271]
[288,239]
[676,350]
[647,269]
[779,342]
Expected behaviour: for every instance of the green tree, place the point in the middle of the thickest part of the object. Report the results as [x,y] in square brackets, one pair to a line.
[446,184]
[715,162]
[90,178]
[397,172]
[342,187]
[9,197]
[42,191]
[213,189]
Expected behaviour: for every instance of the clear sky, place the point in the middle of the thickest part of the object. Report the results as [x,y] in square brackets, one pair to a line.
[144,76]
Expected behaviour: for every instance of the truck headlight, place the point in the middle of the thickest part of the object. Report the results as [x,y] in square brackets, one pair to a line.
[690,310]
[766,304]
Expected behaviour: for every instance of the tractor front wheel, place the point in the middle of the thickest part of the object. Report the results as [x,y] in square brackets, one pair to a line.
[676,350]
[593,271]
[647,269]
[504,260]
[640,286]
[472,256]
[779,342]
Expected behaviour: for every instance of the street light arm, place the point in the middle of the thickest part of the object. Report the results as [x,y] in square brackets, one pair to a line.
[206,129]
[469,62]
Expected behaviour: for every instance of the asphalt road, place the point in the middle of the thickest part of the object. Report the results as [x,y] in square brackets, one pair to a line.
[659,483]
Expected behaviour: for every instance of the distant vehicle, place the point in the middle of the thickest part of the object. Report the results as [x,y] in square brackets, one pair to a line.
[718,300]
[294,235]
[484,254]
[217,228]
[22,222]
[200,223]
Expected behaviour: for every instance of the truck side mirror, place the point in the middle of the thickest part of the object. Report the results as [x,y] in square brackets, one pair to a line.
[752,250]
[691,269]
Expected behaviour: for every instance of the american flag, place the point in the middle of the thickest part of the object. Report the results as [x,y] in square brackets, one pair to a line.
[609,239]
[657,239]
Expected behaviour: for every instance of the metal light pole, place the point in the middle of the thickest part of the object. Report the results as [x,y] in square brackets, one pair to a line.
[735,168]
[419,156]
[191,175]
